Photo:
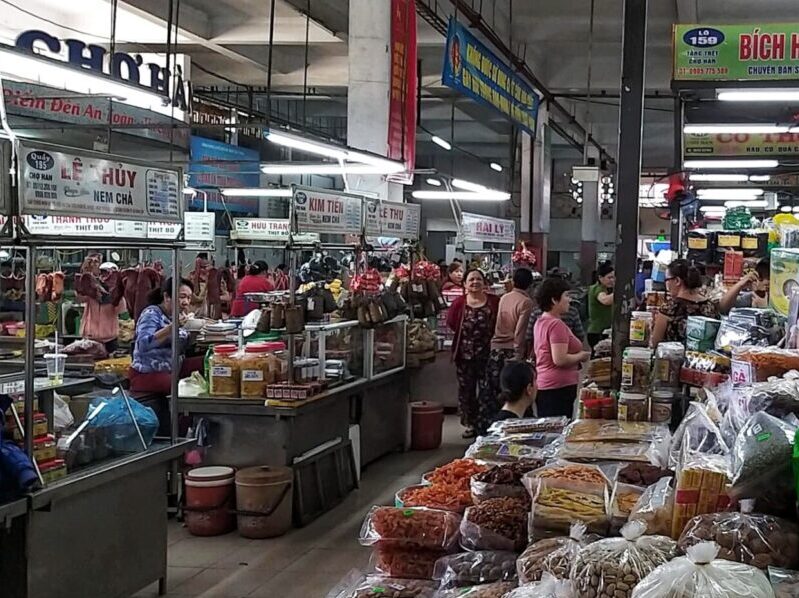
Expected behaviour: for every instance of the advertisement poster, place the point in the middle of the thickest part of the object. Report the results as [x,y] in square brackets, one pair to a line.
[742,144]
[90,184]
[736,52]
[477,227]
[267,229]
[216,165]
[325,211]
[402,103]
[475,71]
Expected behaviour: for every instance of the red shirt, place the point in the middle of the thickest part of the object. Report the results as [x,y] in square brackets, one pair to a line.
[249,284]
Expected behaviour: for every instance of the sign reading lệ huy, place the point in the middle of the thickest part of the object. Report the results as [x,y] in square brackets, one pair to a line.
[742,144]
[736,52]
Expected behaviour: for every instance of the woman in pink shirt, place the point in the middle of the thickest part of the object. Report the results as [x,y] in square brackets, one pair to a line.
[558,353]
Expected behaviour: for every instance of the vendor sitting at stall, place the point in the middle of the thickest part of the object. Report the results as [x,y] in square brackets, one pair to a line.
[255,281]
[757,296]
[518,390]
[151,370]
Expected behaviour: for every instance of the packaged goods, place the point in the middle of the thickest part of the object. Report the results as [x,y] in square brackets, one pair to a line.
[497,450]
[768,361]
[612,451]
[399,561]
[410,527]
[661,403]
[761,456]
[496,524]
[529,425]
[633,407]
[435,496]
[616,431]
[655,508]
[553,556]
[256,371]
[456,473]
[358,585]
[636,369]
[487,590]
[534,439]
[752,539]
[641,474]
[698,433]
[700,574]
[754,243]
[611,568]
[224,371]
[625,497]
[784,582]
[501,480]
[473,568]
[700,333]
[598,370]
[701,245]
[548,587]
[640,328]
[701,488]
[668,362]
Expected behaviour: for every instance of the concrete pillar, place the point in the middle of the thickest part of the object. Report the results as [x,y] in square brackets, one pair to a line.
[369,89]
[589,226]
[536,188]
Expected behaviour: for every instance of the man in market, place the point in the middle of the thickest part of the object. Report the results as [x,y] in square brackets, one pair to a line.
[757,296]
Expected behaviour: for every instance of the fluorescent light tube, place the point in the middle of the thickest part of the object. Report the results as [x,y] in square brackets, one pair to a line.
[256,192]
[759,178]
[468,186]
[719,178]
[759,95]
[758,203]
[497,167]
[713,209]
[433,182]
[305,145]
[742,193]
[785,209]
[441,142]
[732,128]
[700,164]
[486,195]
[323,169]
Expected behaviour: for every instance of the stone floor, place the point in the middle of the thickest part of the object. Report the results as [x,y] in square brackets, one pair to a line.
[307,562]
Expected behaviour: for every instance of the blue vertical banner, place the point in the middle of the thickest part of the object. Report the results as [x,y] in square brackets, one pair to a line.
[475,71]
[216,165]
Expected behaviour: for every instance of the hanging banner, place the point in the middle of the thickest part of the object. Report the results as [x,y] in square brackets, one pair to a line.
[742,144]
[326,211]
[93,184]
[476,227]
[392,219]
[475,71]
[736,52]
[267,229]
[402,102]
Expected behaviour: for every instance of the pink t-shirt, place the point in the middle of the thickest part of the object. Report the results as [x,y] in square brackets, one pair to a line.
[549,331]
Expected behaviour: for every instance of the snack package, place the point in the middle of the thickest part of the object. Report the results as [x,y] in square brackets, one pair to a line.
[495,449]
[701,487]
[623,499]
[761,455]
[405,562]
[784,582]
[611,430]
[497,589]
[496,524]
[655,507]
[552,556]
[501,480]
[455,473]
[758,540]
[411,527]
[474,568]
[700,575]
[642,474]
[447,497]
[548,587]
[614,566]
[698,433]
[359,585]
[529,425]
[643,452]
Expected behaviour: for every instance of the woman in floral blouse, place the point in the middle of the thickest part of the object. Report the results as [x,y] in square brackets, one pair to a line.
[472,317]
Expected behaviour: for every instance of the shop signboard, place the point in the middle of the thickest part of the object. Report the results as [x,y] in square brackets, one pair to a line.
[476,227]
[768,52]
[402,101]
[84,226]
[267,229]
[392,219]
[475,71]
[199,227]
[327,211]
[742,144]
[741,373]
[57,181]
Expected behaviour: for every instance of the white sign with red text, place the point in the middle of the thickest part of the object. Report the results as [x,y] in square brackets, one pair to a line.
[477,227]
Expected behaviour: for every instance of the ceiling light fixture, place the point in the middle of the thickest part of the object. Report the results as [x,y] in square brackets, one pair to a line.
[290,168]
[704,164]
[760,178]
[785,209]
[256,192]
[719,178]
[468,186]
[758,95]
[433,182]
[713,209]
[714,129]
[441,142]
[487,195]
[758,203]
[496,166]
[742,193]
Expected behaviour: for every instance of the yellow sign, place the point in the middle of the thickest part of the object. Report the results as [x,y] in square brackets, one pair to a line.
[742,144]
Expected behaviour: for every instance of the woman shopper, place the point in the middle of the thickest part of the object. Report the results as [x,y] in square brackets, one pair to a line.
[558,353]
[600,303]
[518,390]
[454,279]
[684,286]
[255,281]
[472,318]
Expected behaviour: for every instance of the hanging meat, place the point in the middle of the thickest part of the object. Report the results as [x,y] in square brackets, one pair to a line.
[50,286]
[148,279]
[57,286]
[129,279]
[43,287]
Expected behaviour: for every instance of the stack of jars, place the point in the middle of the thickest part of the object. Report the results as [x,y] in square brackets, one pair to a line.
[665,381]
[635,381]
[233,373]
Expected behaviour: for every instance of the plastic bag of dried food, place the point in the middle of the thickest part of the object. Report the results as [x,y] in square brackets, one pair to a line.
[529,425]
[411,527]
[752,539]
[761,455]
[548,587]
[408,562]
[784,582]
[697,433]
[614,566]
[642,474]
[497,589]
[552,556]
[501,480]
[700,574]
[655,508]
[359,585]
[473,568]
[495,449]
[496,524]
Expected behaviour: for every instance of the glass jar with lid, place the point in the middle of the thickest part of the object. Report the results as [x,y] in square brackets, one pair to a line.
[669,358]
[640,328]
[635,370]
[255,371]
[633,407]
[224,368]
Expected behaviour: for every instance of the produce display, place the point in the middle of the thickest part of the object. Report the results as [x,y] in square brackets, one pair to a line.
[410,527]
[456,473]
[496,524]
[381,586]
[784,582]
[501,480]
[553,556]
[436,496]
[758,540]
[474,568]
[487,590]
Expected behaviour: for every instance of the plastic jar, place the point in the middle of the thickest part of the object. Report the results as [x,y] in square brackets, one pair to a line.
[225,370]
[255,371]
[632,407]
[640,327]
[669,358]
[635,370]
[662,402]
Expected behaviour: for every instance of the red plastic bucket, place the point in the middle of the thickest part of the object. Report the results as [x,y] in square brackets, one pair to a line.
[427,419]
[210,499]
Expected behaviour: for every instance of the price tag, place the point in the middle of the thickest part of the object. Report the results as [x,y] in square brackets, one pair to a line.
[742,373]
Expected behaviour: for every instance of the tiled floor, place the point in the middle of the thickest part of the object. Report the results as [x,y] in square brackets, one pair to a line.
[307,562]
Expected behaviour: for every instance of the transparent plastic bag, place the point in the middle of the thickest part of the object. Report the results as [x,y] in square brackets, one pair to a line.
[752,539]
[552,556]
[498,589]
[496,524]
[622,502]
[406,562]
[473,568]
[548,587]
[784,582]
[697,433]
[359,585]
[529,425]
[501,480]
[612,567]
[410,527]
[701,575]
[655,508]
[496,449]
